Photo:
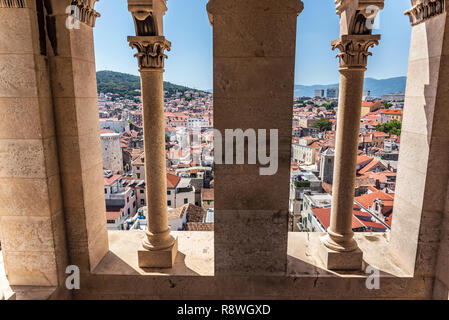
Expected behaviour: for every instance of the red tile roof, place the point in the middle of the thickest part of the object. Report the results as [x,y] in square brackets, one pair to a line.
[172,180]
[381,176]
[207,194]
[199,226]
[376,225]
[387,199]
[109,181]
[380,134]
[106,131]
[324,216]
[391,111]
[363,159]
[369,166]
[113,212]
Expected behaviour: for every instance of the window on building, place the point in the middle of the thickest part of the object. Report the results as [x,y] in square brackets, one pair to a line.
[142,202]
[169,202]
[142,191]
[186,201]
[168,192]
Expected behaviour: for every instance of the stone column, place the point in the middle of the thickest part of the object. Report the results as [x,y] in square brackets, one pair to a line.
[159,246]
[70,51]
[420,226]
[254,62]
[31,212]
[340,251]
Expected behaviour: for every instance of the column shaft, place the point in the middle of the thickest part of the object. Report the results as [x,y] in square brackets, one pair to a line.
[155,164]
[348,127]
[340,250]
[159,247]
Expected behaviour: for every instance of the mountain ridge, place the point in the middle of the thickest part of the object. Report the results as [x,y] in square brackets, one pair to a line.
[378,87]
[126,85]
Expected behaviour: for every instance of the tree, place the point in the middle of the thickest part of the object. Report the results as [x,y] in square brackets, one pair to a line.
[127,85]
[392,127]
[387,105]
[330,106]
[302,184]
[323,124]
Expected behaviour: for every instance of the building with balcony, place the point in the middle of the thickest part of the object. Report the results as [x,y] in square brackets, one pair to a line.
[121,201]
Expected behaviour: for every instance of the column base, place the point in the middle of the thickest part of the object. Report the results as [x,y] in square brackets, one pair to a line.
[336,260]
[158,258]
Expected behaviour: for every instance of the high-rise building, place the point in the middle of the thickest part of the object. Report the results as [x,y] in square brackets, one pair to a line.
[332,93]
[319,93]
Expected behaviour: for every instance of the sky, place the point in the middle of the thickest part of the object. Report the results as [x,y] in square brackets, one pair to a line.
[189,62]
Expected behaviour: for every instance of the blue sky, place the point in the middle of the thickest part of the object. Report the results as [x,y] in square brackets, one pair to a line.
[190,61]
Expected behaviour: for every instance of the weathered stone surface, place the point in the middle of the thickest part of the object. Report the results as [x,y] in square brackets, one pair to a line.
[31,268]
[334,260]
[192,275]
[253,64]
[240,249]
[423,174]
[159,258]
[22,159]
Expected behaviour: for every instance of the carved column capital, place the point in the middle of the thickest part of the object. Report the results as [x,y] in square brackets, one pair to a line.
[423,10]
[86,13]
[354,50]
[150,51]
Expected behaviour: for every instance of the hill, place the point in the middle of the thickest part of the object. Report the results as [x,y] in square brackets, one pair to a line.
[125,84]
[377,87]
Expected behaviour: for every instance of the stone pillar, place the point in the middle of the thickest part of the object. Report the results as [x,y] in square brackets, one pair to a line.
[420,226]
[340,251]
[70,50]
[159,246]
[254,62]
[31,213]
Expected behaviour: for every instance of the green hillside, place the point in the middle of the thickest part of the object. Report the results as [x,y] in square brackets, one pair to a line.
[125,84]
[377,87]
